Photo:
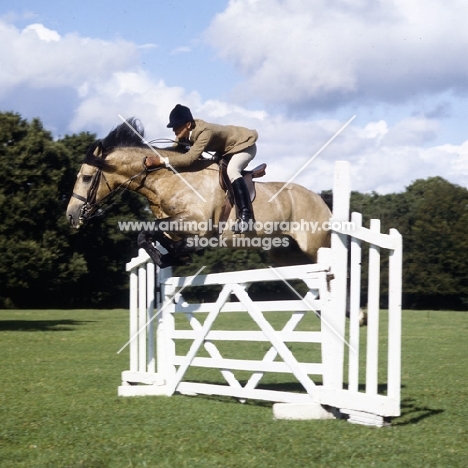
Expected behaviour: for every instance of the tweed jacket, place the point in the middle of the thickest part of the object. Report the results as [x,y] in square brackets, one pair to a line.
[223,139]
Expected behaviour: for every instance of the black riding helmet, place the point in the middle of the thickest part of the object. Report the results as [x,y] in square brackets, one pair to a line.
[179,116]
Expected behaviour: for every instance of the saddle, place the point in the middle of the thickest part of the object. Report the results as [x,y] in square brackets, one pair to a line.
[225,184]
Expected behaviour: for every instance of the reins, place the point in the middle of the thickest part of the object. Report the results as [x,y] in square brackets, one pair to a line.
[111,198]
[91,209]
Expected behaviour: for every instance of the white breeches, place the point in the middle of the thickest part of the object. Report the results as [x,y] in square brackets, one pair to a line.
[239,162]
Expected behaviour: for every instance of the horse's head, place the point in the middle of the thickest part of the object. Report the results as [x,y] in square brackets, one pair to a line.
[91,187]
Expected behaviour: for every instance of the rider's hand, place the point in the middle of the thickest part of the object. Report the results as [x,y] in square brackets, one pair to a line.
[154,161]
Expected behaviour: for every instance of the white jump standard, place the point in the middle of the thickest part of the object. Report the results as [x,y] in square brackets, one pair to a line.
[156,369]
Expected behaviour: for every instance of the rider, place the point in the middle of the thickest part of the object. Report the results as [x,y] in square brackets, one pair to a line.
[227,140]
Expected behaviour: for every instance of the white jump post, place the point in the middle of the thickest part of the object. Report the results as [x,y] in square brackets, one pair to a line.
[345,391]
[334,315]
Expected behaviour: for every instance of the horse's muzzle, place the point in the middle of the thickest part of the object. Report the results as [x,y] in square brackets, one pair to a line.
[74,223]
[74,216]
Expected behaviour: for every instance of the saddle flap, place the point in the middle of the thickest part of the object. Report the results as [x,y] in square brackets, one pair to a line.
[257,172]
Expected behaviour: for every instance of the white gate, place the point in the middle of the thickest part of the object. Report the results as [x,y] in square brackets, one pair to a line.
[369,397]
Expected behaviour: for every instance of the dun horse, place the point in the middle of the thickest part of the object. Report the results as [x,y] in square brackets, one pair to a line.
[187,204]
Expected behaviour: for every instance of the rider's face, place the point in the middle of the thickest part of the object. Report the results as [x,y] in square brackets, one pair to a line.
[183,131]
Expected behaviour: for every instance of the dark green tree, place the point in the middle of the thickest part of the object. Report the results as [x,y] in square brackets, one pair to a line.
[432,216]
[35,261]
[436,243]
[44,263]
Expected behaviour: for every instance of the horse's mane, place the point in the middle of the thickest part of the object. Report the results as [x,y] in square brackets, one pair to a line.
[130,133]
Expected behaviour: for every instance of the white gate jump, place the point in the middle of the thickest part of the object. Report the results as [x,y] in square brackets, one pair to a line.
[368,397]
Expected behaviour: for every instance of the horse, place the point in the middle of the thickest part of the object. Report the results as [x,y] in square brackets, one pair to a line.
[188,203]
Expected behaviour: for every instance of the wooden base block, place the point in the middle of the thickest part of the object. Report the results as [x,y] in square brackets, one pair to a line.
[301,411]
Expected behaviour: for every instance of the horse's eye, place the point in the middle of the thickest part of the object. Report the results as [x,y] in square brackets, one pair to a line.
[87,179]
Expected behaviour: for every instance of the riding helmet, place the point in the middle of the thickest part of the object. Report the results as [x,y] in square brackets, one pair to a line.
[179,116]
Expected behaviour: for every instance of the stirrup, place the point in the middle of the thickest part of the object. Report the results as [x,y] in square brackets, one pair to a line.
[243,225]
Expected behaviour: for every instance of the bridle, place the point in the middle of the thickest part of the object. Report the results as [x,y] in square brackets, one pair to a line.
[89,203]
[91,208]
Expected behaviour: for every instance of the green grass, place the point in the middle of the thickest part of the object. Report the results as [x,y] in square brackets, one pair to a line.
[59,407]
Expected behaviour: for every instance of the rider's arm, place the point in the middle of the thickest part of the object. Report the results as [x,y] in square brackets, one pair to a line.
[199,145]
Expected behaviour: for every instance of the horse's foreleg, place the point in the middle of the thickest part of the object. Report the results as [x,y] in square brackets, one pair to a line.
[145,241]
[178,251]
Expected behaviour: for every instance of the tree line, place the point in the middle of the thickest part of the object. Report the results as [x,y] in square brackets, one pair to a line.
[46,264]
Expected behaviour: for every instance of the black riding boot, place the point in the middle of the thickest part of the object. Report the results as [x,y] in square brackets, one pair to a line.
[242,200]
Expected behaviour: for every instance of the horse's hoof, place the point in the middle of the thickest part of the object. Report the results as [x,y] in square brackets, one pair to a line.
[155,256]
[153,253]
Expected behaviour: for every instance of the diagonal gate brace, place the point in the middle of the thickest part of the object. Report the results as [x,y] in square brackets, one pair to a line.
[213,352]
[200,338]
[272,335]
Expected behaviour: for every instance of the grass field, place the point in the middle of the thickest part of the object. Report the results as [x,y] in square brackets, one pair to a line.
[59,407]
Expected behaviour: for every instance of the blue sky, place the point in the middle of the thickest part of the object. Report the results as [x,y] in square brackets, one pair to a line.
[296,70]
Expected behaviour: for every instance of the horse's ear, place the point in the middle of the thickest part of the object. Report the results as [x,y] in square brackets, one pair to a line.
[97,150]
[95,155]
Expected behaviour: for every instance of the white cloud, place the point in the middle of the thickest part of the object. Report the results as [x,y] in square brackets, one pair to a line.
[130,94]
[136,94]
[107,79]
[375,130]
[451,161]
[44,34]
[227,113]
[39,57]
[412,131]
[181,50]
[148,46]
[327,54]
[384,158]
